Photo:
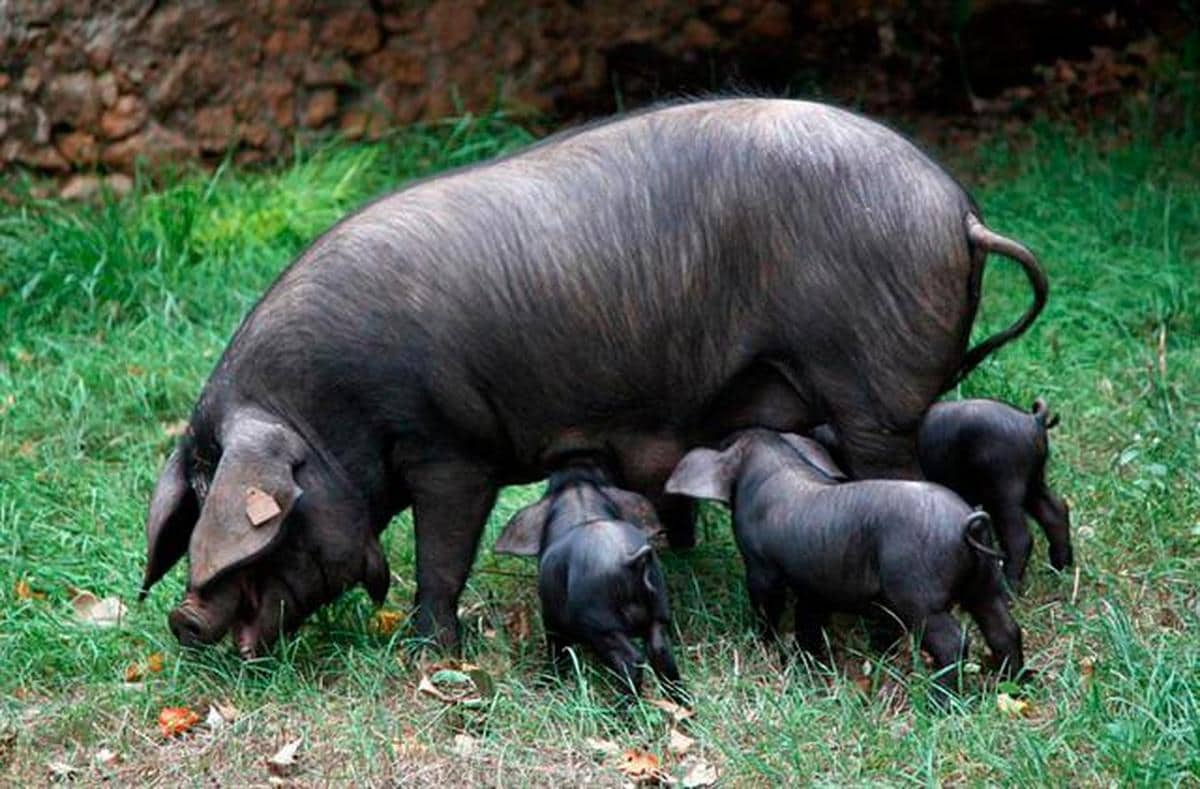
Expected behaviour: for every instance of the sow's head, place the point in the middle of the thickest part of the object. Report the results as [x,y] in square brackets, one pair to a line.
[272,532]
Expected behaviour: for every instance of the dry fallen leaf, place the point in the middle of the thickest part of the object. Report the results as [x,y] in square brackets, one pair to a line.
[603,747]
[700,773]
[516,622]
[640,766]
[1013,707]
[386,622]
[457,683]
[173,721]
[102,613]
[154,662]
[61,771]
[24,591]
[227,711]
[176,429]
[677,711]
[283,760]
[465,745]
[260,506]
[220,714]
[214,720]
[133,673]
[106,757]
[679,743]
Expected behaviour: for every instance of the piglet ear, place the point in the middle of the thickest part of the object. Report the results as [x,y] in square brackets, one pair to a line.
[251,495]
[635,509]
[376,575]
[815,455]
[705,474]
[522,535]
[173,514]
[639,562]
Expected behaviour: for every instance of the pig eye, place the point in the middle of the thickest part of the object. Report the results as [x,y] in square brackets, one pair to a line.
[200,486]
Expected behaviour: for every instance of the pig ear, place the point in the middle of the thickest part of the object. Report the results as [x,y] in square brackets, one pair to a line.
[522,535]
[815,455]
[639,562]
[250,497]
[376,576]
[636,510]
[705,474]
[169,524]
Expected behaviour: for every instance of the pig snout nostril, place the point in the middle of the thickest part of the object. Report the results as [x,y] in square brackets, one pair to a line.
[188,628]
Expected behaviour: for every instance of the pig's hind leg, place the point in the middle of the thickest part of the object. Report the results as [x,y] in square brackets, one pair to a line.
[1000,630]
[943,638]
[1051,513]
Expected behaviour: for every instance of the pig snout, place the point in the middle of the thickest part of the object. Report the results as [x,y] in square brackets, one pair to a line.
[193,625]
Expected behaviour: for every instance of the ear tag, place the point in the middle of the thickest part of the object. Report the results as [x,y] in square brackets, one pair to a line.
[260,506]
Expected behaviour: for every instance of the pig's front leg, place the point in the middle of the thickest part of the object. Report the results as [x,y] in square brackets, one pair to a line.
[768,595]
[811,619]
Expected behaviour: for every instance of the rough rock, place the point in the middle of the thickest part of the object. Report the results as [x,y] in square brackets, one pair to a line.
[321,108]
[155,145]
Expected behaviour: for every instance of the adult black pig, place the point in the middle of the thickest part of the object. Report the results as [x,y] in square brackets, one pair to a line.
[633,288]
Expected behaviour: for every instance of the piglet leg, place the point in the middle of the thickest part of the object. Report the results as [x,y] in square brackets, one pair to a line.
[662,660]
[945,641]
[1051,512]
[1001,632]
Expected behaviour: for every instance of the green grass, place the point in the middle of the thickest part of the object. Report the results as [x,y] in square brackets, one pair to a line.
[112,315]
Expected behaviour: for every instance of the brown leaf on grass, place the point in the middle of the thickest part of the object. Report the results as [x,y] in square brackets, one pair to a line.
[1087,670]
[1013,707]
[641,766]
[516,622]
[260,506]
[457,683]
[385,622]
[24,591]
[407,745]
[136,672]
[220,714]
[465,745]
[283,760]
[102,613]
[61,771]
[677,712]
[679,743]
[106,757]
[602,747]
[176,429]
[700,773]
[227,711]
[173,721]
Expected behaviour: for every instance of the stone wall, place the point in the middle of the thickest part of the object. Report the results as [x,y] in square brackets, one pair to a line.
[99,84]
